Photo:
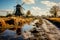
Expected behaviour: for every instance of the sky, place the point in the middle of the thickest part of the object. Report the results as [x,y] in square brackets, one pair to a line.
[37,7]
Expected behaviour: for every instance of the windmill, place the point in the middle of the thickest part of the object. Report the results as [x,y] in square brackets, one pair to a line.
[19,9]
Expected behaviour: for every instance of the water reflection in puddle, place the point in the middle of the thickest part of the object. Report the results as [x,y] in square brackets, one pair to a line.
[26,27]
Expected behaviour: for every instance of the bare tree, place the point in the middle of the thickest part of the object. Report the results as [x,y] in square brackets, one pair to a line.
[54,10]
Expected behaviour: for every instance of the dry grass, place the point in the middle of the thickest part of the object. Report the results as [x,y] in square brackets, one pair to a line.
[55,19]
[16,20]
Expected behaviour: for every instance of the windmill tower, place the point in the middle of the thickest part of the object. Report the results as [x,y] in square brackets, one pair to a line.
[19,8]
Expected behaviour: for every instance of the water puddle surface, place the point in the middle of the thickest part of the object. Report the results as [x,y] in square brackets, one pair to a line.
[26,27]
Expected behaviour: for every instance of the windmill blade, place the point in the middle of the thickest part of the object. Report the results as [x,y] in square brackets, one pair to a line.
[23,3]
[23,8]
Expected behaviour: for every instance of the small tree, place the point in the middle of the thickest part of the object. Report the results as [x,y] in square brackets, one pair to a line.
[8,15]
[54,10]
[28,13]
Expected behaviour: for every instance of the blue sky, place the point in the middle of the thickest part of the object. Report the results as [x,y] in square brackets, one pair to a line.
[33,5]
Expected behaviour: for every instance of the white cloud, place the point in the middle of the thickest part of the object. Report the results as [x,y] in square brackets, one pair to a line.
[36,8]
[48,3]
[59,3]
[39,11]
[5,12]
[29,1]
